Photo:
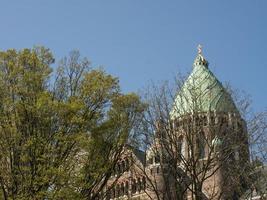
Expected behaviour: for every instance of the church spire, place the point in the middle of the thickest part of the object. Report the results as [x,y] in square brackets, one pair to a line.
[200,60]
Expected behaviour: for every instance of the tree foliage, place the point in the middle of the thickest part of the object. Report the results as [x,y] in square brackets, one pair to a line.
[60,132]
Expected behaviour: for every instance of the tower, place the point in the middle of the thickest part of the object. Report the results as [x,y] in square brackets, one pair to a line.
[210,134]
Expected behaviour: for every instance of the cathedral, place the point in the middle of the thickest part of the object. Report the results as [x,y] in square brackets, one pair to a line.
[199,152]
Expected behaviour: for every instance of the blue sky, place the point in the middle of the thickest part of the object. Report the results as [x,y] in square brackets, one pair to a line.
[148,40]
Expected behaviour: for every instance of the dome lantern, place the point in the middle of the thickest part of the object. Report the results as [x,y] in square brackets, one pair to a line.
[200,60]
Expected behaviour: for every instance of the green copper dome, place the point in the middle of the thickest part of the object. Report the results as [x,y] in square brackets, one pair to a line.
[202,92]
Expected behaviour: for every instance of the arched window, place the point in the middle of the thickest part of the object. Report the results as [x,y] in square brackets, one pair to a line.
[144,183]
[157,159]
[133,186]
[212,120]
[117,191]
[176,124]
[122,190]
[126,189]
[223,121]
[198,121]
[150,161]
[205,121]
[123,166]
[201,145]
[127,164]
[117,169]
[108,195]
[139,185]
[113,193]
[179,145]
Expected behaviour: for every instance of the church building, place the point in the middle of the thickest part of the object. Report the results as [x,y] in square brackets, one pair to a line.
[199,152]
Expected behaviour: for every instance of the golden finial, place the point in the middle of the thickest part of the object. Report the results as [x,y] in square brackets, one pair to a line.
[199,49]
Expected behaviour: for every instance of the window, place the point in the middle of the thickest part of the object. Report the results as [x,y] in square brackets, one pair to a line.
[123,168]
[201,146]
[144,183]
[117,191]
[134,186]
[197,121]
[116,170]
[224,121]
[157,159]
[179,145]
[126,188]
[122,190]
[205,121]
[212,120]
[139,185]
[127,164]
[113,193]
[120,168]
[108,195]
[177,124]
[216,143]
[150,161]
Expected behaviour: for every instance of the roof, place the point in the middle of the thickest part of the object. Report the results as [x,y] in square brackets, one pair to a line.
[139,154]
[202,92]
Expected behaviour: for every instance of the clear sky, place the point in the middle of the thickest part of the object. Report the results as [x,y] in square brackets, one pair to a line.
[148,40]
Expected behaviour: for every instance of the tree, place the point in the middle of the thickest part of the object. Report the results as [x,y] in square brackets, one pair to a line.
[256,175]
[110,138]
[61,133]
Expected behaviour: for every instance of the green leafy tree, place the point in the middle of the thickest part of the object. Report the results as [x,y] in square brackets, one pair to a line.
[60,134]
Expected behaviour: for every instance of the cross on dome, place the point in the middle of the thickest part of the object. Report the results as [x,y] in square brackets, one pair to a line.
[200,60]
[199,48]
